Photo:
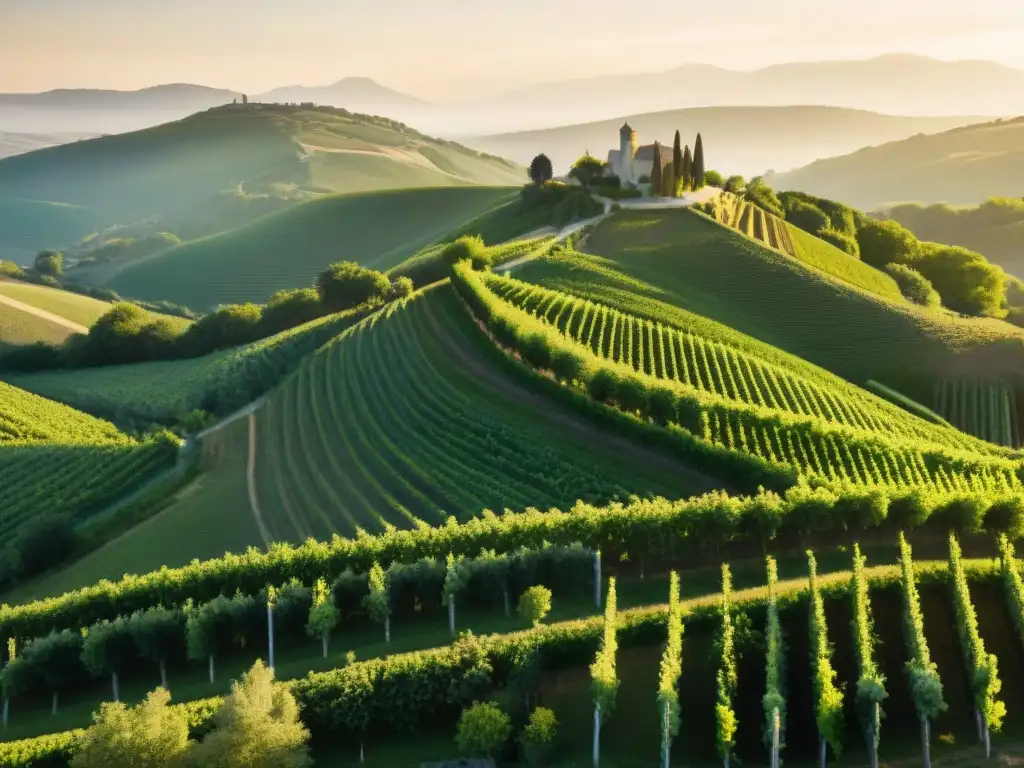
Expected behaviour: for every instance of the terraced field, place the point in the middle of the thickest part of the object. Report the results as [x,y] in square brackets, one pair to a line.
[776,233]
[404,419]
[984,408]
[828,432]
[668,261]
[288,249]
[57,461]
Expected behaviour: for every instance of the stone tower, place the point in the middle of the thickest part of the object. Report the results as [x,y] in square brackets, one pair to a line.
[627,154]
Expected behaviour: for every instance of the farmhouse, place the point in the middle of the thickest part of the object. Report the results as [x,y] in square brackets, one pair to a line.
[630,162]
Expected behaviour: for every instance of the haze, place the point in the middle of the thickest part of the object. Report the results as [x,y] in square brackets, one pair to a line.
[451,50]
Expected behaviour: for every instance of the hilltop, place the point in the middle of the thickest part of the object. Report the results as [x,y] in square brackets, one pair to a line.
[745,138]
[290,151]
[963,166]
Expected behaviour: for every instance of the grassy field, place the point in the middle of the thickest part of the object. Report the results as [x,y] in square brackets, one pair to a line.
[165,390]
[670,260]
[288,249]
[57,461]
[78,309]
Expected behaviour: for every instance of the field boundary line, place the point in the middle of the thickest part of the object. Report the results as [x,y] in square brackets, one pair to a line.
[42,314]
[250,481]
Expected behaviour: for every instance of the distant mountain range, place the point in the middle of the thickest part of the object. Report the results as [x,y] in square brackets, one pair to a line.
[745,140]
[893,84]
[962,166]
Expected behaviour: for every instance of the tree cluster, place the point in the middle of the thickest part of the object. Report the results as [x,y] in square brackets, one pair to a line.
[127,333]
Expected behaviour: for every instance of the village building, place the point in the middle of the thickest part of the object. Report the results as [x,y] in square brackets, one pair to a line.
[630,162]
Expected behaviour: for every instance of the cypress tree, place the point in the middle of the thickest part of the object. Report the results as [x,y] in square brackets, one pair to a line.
[668,181]
[656,171]
[699,169]
[688,176]
[677,161]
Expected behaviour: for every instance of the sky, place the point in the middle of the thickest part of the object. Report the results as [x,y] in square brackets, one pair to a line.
[453,50]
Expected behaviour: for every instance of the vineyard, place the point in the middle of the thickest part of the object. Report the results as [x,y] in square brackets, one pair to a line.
[56,460]
[380,427]
[827,442]
[987,409]
[680,268]
[791,661]
[780,235]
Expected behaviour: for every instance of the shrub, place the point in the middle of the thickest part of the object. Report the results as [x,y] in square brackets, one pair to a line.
[10,269]
[763,196]
[735,184]
[346,285]
[913,285]
[400,288]
[808,217]
[966,281]
[483,729]
[149,735]
[49,263]
[713,179]
[535,604]
[287,309]
[841,240]
[886,242]
[538,737]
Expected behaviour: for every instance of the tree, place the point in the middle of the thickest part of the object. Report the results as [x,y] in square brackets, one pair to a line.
[108,647]
[807,216]
[148,735]
[541,170]
[378,601]
[603,674]
[257,726]
[678,168]
[668,181]
[324,615]
[346,285]
[538,737]
[483,729]
[656,172]
[735,184]
[50,263]
[287,309]
[886,242]
[52,662]
[699,172]
[586,169]
[688,179]
[535,604]
[158,632]
[713,179]
[966,281]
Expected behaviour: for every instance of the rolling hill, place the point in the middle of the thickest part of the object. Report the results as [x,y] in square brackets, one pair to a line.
[20,143]
[963,166]
[288,249]
[739,139]
[684,260]
[117,180]
[30,313]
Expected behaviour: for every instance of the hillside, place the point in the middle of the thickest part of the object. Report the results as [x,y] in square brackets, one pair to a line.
[30,313]
[377,428]
[784,136]
[156,172]
[289,248]
[667,259]
[994,229]
[962,166]
[19,143]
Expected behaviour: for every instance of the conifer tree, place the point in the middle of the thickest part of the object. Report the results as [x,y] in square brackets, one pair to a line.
[677,161]
[688,179]
[699,169]
[656,171]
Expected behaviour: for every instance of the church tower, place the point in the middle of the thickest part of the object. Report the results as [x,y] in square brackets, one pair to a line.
[627,155]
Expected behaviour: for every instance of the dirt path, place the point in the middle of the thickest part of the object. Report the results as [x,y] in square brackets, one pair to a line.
[580,427]
[250,481]
[42,314]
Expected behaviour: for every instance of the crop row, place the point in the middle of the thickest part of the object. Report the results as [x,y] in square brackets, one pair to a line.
[986,409]
[667,353]
[383,697]
[27,418]
[379,429]
[74,480]
[765,443]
